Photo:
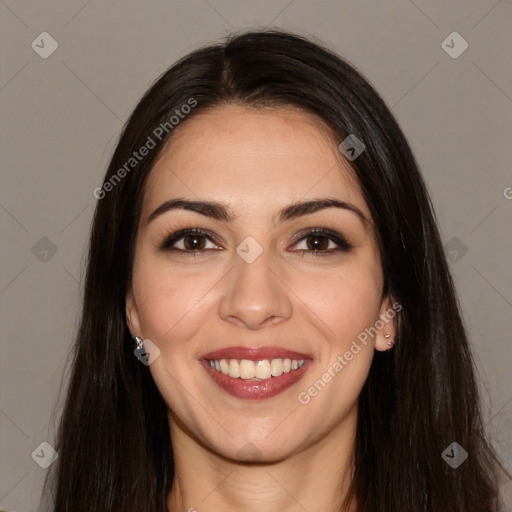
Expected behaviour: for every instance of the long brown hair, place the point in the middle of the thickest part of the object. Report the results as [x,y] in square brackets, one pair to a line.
[113,441]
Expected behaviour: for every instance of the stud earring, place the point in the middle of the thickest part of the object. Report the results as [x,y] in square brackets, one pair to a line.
[388,336]
[139,342]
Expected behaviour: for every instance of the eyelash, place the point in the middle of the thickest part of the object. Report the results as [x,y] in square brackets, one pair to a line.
[343,244]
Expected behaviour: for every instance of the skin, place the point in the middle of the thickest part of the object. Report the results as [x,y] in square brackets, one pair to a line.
[257,162]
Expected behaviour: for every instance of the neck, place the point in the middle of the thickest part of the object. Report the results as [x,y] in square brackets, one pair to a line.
[315,479]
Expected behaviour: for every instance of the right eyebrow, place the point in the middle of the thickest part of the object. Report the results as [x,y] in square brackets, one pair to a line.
[211,209]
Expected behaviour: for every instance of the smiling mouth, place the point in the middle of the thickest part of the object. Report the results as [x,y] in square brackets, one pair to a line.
[257,379]
[256,373]
[259,370]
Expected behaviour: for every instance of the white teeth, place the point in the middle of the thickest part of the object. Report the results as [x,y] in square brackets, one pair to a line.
[247,369]
[276,367]
[234,369]
[263,369]
[224,367]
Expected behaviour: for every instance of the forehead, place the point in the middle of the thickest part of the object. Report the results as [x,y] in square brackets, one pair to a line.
[251,158]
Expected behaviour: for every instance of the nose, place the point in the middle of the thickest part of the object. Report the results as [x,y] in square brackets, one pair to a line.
[255,294]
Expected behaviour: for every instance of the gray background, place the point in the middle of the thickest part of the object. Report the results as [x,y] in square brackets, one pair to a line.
[61,117]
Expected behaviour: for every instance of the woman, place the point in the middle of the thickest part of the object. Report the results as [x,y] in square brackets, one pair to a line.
[268,320]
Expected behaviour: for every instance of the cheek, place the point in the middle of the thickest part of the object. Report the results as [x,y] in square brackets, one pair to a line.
[346,304]
[171,303]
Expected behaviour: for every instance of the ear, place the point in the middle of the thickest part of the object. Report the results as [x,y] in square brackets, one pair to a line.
[132,317]
[386,325]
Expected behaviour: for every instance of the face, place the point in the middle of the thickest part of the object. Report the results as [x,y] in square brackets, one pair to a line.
[276,297]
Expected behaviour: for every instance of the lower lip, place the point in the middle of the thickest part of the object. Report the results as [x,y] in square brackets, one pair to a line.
[256,389]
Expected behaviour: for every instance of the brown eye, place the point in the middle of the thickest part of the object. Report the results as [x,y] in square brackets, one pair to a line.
[322,241]
[194,242]
[317,243]
[189,240]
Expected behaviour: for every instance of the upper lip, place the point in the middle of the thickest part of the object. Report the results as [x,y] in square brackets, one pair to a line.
[255,354]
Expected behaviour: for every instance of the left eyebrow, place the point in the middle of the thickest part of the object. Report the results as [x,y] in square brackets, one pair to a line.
[299,209]
[219,211]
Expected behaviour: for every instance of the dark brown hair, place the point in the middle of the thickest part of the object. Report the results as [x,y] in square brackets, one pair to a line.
[114,443]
